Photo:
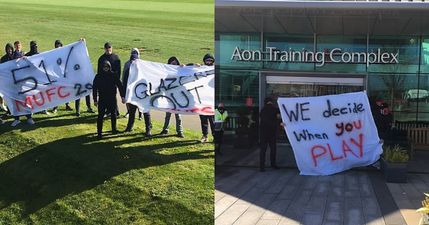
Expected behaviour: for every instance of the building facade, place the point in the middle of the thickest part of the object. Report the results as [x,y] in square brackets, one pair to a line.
[311,48]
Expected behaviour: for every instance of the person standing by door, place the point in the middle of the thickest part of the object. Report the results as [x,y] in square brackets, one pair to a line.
[270,121]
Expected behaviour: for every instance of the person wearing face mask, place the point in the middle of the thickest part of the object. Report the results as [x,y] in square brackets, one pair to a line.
[135,54]
[114,61]
[208,60]
[104,94]
[179,128]
[221,115]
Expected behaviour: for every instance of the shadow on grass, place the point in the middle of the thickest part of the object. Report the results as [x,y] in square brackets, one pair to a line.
[72,165]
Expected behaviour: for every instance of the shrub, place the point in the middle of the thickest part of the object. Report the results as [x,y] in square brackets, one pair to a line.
[395,154]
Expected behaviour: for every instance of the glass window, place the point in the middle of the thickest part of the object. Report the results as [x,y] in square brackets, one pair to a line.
[397,90]
[227,43]
[289,43]
[350,44]
[425,56]
[406,47]
[422,96]
[236,88]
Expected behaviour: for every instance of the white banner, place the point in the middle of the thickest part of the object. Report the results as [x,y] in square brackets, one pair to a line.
[32,84]
[184,90]
[332,133]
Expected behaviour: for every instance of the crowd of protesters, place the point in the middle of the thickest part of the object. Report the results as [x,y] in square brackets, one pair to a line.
[106,84]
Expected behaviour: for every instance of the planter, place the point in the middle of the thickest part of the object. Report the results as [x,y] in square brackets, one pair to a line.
[394,172]
[424,220]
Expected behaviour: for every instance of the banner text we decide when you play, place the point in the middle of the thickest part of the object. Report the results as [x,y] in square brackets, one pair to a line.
[330,134]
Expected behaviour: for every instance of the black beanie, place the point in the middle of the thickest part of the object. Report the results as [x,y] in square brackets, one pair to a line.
[172,59]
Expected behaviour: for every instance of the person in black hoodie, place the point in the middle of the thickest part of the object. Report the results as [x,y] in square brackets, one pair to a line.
[208,60]
[135,54]
[269,125]
[9,53]
[179,128]
[114,61]
[7,57]
[33,49]
[104,94]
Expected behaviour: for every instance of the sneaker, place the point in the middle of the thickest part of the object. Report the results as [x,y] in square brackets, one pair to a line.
[30,121]
[77,114]
[68,108]
[99,136]
[128,130]
[126,115]
[140,118]
[54,111]
[148,134]
[15,122]
[180,135]
[90,110]
[115,131]
[204,139]
[45,112]
[164,132]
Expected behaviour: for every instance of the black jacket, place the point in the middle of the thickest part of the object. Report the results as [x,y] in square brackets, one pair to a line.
[6,58]
[269,120]
[104,88]
[126,74]
[114,61]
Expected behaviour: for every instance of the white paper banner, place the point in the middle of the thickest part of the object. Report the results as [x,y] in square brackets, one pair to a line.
[46,80]
[332,133]
[184,90]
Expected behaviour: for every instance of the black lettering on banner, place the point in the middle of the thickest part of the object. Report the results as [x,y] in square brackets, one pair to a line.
[79,90]
[59,61]
[162,96]
[138,94]
[88,86]
[42,64]
[196,90]
[171,80]
[175,100]
[67,61]
[76,67]
[16,81]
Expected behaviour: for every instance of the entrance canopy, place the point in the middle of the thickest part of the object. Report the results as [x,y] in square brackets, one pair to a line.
[323,17]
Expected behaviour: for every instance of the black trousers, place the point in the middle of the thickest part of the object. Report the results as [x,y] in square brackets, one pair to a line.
[88,103]
[265,141]
[104,108]
[131,118]
[205,120]
[218,136]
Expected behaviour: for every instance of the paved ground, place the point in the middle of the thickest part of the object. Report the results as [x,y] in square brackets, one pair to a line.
[246,196]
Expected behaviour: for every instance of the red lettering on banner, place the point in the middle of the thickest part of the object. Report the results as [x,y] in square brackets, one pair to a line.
[357,124]
[315,156]
[26,103]
[35,99]
[358,144]
[62,95]
[318,151]
[49,93]
[332,154]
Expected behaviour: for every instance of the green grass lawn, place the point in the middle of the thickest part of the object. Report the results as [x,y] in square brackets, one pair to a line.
[57,172]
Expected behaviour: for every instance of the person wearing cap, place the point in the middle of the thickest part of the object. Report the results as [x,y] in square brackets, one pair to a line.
[208,60]
[135,54]
[179,128]
[221,115]
[104,94]
[18,53]
[33,49]
[269,125]
[114,61]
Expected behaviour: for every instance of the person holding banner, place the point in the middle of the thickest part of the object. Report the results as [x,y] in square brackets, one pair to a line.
[270,121]
[208,60]
[135,54]
[104,94]
[59,44]
[6,57]
[179,129]
[221,115]
[18,53]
